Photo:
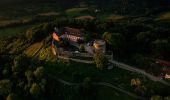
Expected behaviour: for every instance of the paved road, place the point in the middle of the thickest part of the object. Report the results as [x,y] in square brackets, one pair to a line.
[133,69]
[123,66]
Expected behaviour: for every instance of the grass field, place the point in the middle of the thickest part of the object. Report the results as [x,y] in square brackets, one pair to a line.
[14,31]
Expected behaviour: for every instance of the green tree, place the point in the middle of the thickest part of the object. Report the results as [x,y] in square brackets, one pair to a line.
[161,48]
[12,96]
[35,90]
[82,48]
[113,39]
[135,82]
[29,74]
[38,33]
[141,90]
[5,72]
[100,60]
[108,37]
[20,63]
[43,84]
[157,97]
[5,86]
[39,72]
[140,60]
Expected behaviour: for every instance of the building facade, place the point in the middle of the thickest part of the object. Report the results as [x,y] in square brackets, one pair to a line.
[99,46]
[71,34]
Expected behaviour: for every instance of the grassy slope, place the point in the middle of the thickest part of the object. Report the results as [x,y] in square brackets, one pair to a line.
[117,77]
[30,51]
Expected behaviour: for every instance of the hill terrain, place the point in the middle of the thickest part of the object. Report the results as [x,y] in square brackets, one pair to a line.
[135,31]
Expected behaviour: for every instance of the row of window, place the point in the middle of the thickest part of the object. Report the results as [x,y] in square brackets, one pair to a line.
[72,37]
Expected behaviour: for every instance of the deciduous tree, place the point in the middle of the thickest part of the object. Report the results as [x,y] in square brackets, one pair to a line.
[100,60]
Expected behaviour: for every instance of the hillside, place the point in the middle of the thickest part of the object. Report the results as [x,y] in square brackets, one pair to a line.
[136,33]
[30,71]
[125,7]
